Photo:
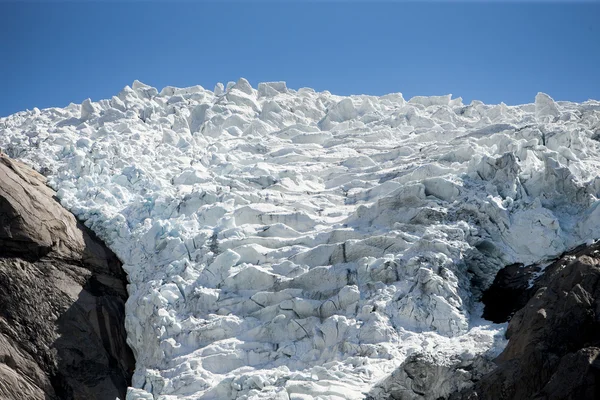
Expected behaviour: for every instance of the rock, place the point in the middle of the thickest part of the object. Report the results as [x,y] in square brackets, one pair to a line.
[508,293]
[62,296]
[426,377]
[577,377]
[554,340]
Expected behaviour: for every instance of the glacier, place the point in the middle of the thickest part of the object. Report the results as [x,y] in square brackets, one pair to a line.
[294,244]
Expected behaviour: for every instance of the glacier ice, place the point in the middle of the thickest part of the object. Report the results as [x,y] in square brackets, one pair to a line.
[291,244]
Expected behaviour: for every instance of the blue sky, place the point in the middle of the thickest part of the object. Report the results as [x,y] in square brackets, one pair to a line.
[54,53]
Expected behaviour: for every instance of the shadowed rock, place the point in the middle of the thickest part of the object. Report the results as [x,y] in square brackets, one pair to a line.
[422,377]
[62,295]
[554,341]
[553,351]
[509,292]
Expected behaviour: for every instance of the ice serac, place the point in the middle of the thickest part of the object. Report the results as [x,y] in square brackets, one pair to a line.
[62,297]
[545,108]
[296,244]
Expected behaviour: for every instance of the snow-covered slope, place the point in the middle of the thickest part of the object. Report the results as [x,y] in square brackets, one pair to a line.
[294,244]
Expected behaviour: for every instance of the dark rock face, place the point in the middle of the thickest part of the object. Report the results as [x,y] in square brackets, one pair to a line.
[554,341]
[62,296]
[422,377]
[508,293]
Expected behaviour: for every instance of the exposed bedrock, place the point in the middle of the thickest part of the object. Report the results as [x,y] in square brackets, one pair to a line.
[553,350]
[509,292]
[62,296]
[554,341]
[423,377]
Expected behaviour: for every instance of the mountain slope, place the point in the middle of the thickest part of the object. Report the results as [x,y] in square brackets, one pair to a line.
[285,244]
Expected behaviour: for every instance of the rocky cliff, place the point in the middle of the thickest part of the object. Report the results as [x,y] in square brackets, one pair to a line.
[554,341]
[62,296]
[553,352]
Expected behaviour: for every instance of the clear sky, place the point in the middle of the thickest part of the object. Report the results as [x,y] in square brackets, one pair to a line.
[54,53]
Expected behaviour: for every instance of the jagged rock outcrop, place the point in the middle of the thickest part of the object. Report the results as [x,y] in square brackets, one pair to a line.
[554,341]
[509,292]
[422,377]
[62,296]
[553,351]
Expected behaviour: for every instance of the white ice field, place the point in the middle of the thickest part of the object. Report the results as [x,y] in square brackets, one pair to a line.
[290,244]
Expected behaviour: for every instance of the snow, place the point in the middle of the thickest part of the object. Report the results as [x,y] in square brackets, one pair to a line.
[290,244]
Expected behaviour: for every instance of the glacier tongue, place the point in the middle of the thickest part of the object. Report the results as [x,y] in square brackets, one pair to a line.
[289,244]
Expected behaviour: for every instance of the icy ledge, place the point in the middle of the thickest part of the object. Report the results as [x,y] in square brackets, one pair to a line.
[286,244]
